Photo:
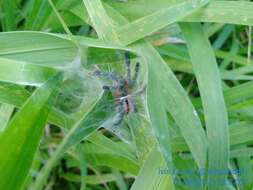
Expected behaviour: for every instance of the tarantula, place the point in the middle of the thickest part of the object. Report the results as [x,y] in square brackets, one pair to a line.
[121,89]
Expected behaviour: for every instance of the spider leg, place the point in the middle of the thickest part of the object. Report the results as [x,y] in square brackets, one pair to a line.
[107,75]
[127,65]
[136,73]
[118,118]
[110,88]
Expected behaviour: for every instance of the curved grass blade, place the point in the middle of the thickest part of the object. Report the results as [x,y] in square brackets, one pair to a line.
[21,138]
[151,172]
[100,140]
[44,48]
[13,94]
[25,74]
[39,12]
[215,113]
[89,123]
[6,111]
[157,114]
[235,12]
[177,103]
[98,156]
[104,25]
[143,138]
[142,27]
[16,95]
[9,15]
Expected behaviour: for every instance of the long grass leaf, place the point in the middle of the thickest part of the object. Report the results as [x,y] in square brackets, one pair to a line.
[151,172]
[151,23]
[209,82]
[88,124]
[21,138]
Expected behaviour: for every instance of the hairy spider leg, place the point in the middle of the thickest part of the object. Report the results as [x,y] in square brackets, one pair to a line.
[109,76]
[110,88]
[119,89]
[120,109]
[136,73]
[127,65]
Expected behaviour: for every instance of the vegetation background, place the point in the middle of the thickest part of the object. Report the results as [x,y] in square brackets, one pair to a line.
[194,125]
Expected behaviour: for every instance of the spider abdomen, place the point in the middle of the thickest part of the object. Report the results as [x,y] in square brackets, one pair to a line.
[128,106]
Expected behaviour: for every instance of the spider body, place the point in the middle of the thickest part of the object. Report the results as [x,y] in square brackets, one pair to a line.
[121,90]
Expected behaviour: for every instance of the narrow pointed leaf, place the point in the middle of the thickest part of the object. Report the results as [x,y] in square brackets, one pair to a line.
[21,138]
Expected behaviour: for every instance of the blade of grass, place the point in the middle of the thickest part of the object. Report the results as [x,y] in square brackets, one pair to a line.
[245,172]
[16,95]
[6,111]
[88,124]
[104,25]
[157,112]
[151,23]
[9,15]
[44,49]
[16,140]
[177,102]
[25,74]
[215,113]
[101,140]
[47,49]
[240,133]
[91,179]
[234,12]
[151,172]
[143,137]
[100,156]
[223,36]
[38,13]
[83,166]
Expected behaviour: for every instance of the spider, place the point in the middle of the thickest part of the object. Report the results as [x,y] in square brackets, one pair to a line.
[121,89]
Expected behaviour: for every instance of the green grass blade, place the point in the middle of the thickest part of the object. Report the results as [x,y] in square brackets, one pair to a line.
[240,133]
[176,101]
[157,113]
[143,138]
[100,140]
[88,124]
[22,73]
[151,174]
[151,23]
[83,166]
[6,111]
[21,138]
[235,12]
[16,95]
[104,25]
[209,82]
[44,49]
[38,13]
[13,94]
[9,15]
